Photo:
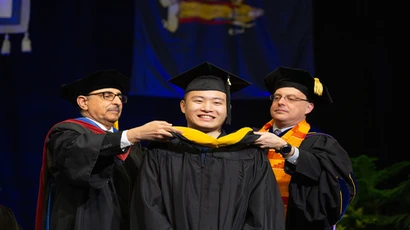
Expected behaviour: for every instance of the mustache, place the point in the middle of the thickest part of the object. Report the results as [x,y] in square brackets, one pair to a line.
[114,108]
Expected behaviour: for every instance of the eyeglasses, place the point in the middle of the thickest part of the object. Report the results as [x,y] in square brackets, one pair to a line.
[289,98]
[110,96]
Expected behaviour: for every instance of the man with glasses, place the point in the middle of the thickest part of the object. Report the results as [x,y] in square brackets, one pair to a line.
[89,166]
[314,172]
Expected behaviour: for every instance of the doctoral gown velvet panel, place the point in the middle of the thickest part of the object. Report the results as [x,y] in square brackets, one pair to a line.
[90,188]
[188,187]
[322,184]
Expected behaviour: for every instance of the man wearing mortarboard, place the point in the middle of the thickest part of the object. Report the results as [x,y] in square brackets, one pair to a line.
[89,166]
[205,178]
[313,170]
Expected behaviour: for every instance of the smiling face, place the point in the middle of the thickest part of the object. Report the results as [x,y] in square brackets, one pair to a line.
[99,109]
[205,111]
[287,112]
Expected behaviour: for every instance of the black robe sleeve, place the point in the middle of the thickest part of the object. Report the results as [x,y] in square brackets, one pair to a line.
[322,184]
[81,157]
[265,209]
[85,185]
[152,211]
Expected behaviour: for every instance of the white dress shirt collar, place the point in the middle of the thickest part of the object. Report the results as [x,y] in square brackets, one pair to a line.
[101,126]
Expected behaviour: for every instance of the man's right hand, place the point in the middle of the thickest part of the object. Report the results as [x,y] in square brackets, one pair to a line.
[152,131]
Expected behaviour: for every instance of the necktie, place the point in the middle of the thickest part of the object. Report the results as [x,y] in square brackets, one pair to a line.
[277,132]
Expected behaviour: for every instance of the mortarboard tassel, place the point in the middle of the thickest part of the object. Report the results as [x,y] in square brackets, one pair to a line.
[26,44]
[6,46]
[318,90]
[228,100]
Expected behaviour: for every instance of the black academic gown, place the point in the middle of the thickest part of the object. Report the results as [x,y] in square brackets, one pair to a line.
[85,186]
[185,186]
[322,184]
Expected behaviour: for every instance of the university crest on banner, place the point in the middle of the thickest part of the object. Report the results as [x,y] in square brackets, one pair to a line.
[236,13]
[14,19]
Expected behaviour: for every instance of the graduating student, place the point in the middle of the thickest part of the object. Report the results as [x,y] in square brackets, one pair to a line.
[205,178]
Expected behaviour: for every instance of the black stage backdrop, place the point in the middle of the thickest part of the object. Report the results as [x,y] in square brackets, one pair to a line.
[353,43]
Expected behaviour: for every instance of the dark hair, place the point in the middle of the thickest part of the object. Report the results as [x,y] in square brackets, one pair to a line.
[7,219]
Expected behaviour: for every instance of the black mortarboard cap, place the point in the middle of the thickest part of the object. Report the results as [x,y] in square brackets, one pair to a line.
[300,79]
[207,76]
[97,80]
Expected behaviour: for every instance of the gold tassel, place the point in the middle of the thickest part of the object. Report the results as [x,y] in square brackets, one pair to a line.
[318,87]
[116,125]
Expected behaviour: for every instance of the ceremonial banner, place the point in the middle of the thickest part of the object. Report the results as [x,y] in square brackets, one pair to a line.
[247,38]
[14,18]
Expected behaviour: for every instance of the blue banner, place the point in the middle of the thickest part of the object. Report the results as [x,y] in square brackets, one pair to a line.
[247,38]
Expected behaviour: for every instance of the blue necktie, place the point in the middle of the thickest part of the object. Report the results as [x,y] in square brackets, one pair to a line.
[277,132]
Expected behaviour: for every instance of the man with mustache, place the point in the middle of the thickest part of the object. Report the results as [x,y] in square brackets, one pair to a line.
[89,166]
[313,170]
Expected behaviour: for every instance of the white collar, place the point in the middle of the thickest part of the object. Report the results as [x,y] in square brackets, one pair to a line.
[101,126]
[281,130]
